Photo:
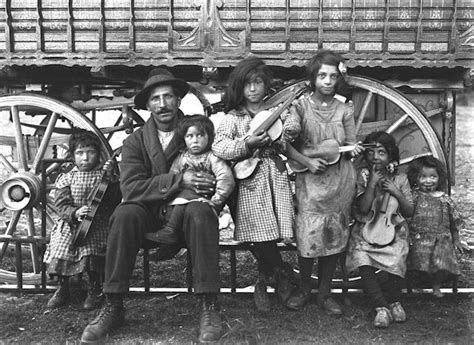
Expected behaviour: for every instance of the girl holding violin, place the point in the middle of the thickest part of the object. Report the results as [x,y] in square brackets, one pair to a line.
[72,192]
[264,211]
[379,237]
[325,191]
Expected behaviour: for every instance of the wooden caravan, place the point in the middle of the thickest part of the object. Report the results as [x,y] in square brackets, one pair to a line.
[66,63]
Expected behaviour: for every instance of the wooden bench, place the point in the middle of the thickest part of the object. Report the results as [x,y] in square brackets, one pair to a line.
[344,284]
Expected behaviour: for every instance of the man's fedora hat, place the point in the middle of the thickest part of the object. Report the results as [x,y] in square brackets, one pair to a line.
[160,76]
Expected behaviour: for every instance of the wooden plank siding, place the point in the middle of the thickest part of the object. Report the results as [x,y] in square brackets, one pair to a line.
[215,33]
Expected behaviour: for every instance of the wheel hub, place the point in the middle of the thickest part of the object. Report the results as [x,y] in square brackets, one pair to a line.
[21,190]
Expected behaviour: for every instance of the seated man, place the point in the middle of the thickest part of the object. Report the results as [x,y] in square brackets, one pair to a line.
[147,187]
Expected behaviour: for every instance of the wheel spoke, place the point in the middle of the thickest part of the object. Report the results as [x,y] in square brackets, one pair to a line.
[363,110]
[20,145]
[394,126]
[33,246]
[44,143]
[7,164]
[11,227]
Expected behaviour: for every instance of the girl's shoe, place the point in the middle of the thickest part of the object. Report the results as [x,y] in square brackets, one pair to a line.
[397,311]
[61,295]
[260,296]
[383,317]
[330,306]
[59,298]
[299,299]
[94,300]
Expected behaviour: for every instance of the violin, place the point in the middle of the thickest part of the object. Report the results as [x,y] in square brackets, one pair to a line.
[380,227]
[329,150]
[95,198]
[265,121]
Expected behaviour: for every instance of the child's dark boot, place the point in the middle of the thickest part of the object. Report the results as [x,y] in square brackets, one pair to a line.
[330,306]
[166,235]
[61,295]
[95,296]
[260,295]
[284,282]
[300,298]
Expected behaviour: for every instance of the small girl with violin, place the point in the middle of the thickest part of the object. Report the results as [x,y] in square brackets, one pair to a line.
[379,237]
[324,191]
[72,192]
[434,234]
[264,211]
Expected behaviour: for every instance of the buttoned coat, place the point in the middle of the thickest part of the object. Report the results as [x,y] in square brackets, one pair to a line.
[144,173]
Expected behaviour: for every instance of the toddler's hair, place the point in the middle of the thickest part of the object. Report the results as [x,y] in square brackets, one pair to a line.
[326,57]
[202,123]
[245,71]
[415,167]
[83,138]
[387,141]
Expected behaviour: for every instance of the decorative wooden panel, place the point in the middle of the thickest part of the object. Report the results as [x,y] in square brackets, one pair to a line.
[216,33]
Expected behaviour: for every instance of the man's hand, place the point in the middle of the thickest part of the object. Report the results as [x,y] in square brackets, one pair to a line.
[202,183]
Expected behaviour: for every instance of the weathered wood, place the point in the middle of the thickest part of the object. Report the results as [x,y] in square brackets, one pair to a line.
[284,32]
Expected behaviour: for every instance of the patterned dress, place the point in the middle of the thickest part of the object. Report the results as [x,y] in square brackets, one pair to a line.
[390,258]
[323,201]
[72,191]
[265,209]
[431,241]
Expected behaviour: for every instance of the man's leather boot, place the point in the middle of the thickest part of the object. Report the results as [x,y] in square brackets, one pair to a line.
[284,282]
[260,295]
[95,296]
[111,316]
[61,296]
[210,326]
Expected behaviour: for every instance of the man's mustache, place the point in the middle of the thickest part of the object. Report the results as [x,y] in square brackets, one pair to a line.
[164,110]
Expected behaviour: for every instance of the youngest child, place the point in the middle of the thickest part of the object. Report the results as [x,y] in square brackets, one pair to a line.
[434,231]
[197,132]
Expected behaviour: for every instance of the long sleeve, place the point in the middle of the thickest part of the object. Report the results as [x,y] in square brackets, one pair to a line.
[291,126]
[227,144]
[63,198]
[224,180]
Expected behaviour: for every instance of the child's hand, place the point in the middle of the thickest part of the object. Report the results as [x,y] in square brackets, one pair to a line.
[258,140]
[358,149]
[317,166]
[375,177]
[109,168]
[81,212]
[390,186]
[460,247]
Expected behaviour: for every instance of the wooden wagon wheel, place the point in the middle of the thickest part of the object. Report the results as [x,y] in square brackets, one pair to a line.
[411,128]
[22,190]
